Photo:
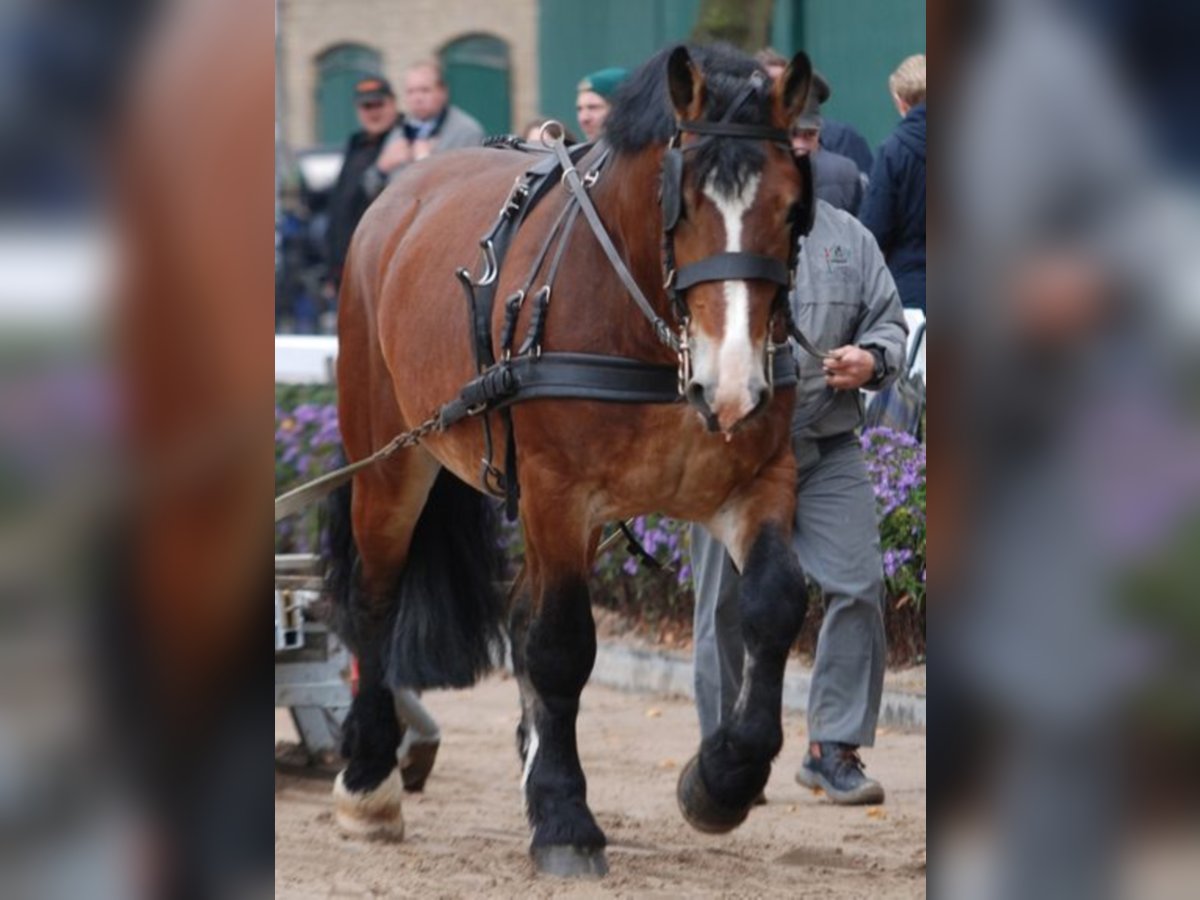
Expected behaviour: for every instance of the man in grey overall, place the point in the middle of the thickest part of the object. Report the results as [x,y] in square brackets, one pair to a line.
[845,302]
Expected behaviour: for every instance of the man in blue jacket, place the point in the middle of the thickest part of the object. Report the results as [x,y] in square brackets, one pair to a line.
[894,205]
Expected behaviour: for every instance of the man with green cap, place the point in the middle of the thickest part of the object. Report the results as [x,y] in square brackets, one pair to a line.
[594,100]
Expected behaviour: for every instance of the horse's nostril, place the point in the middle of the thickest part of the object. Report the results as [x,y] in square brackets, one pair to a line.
[697,396]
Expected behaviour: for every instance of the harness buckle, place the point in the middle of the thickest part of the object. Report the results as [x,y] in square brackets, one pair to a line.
[590,178]
[516,196]
[669,281]
[685,358]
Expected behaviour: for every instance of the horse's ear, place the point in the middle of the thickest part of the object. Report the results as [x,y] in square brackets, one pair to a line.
[686,83]
[792,88]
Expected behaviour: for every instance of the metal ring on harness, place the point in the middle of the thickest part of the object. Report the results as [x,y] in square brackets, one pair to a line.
[545,134]
[491,269]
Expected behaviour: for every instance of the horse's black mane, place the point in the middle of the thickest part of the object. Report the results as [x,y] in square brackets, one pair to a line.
[642,113]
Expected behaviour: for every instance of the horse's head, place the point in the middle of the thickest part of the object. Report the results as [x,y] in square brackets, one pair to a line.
[735,203]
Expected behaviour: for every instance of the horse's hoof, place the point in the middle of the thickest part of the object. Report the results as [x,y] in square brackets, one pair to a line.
[569,861]
[374,814]
[699,809]
[418,763]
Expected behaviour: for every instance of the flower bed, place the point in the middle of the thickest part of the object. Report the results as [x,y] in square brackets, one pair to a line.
[659,600]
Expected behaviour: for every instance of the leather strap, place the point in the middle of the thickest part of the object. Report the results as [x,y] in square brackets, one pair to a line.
[580,376]
[729,266]
[736,129]
[575,185]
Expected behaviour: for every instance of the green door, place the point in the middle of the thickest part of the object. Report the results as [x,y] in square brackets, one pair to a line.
[856,44]
[477,73]
[338,70]
[578,38]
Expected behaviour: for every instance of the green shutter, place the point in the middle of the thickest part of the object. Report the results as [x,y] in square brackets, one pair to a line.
[856,44]
[577,38]
[338,70]
[477,74]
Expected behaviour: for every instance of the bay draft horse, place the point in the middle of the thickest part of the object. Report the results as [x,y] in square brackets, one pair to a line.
[417,602]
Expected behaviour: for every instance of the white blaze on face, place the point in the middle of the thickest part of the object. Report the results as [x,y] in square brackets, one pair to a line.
[734,365]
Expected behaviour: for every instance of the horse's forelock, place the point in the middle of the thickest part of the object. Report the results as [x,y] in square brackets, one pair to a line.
[642,114]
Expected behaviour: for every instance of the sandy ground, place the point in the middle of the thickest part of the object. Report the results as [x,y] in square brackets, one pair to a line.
[467,837]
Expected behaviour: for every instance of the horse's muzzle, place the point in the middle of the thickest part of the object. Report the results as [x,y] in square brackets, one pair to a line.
[727,415]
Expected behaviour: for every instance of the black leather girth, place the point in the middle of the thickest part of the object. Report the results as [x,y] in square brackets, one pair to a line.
[581,376]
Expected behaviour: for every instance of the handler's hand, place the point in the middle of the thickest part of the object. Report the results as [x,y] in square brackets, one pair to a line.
[395,154]
[848,367]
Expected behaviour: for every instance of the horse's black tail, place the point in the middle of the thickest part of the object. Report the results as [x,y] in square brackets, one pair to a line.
[446,616]
[340,555]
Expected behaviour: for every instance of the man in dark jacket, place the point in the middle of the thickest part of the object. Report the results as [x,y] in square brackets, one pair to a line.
[840,137]
[844,139]
[894,206]
[375,104]
[835,177]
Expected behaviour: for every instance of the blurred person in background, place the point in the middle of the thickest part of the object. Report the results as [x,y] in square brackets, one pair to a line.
[843,299]
[357,185]
[296,308]
[840,137]
[593,100]
[894,205]
[835,177]
[431,123]
[389,141]
[1073,460]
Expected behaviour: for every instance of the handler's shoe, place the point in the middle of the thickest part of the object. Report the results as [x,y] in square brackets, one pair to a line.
[837,769]
[417,763]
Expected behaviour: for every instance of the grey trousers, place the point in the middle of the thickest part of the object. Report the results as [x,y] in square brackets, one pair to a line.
[836,540]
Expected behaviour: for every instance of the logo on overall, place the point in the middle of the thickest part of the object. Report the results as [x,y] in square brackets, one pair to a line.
[836,257]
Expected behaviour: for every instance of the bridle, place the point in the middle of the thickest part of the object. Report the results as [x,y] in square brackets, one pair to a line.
[727,266]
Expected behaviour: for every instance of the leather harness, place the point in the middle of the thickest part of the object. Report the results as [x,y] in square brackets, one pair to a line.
[531,373]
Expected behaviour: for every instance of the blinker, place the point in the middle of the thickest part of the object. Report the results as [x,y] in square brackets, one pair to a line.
[671,189]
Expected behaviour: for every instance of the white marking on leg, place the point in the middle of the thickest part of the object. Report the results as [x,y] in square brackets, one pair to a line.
[748,665]
[727,527]
[377,812]
[530,752]
[737,361]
